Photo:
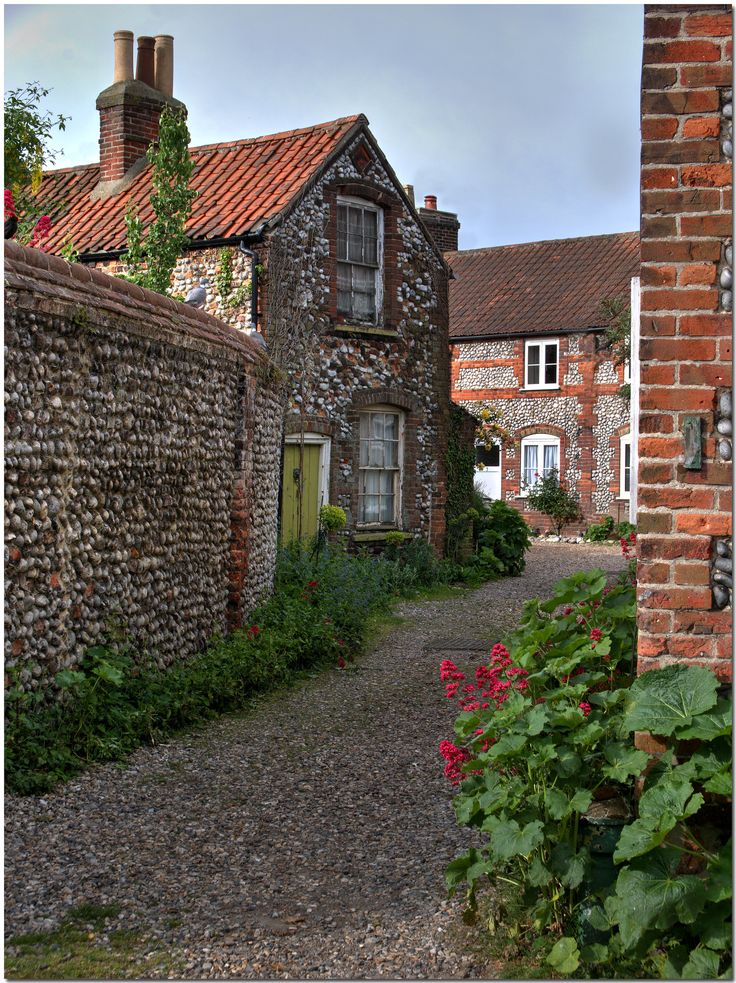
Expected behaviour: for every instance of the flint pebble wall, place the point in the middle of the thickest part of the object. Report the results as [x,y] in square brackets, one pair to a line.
[142,458]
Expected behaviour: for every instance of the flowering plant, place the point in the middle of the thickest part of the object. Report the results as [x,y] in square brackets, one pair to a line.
[539,736]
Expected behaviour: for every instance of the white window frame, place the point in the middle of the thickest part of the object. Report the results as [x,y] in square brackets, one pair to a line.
[625,441]
[398,475]
[541,343]
[324,444]
[540,441]
[369,206]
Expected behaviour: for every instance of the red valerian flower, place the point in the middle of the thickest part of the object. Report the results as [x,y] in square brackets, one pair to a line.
[9,204]
[596,635]
[341,662]
[41,231]
[585,707]
[253,631]
[312,583]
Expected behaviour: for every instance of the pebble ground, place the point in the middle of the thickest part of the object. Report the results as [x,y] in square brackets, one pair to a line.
[305,839]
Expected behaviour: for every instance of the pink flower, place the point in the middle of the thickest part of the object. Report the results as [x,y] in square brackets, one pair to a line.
[40,232]
[568,610]
[9,204]
[596,635]
[585,707]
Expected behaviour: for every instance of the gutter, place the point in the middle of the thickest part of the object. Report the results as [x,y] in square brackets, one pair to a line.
[253,238]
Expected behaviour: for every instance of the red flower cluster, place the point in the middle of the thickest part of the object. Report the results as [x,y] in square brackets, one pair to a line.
[585,707]
[254,631]
[41,231]
[628,546]
[308,592]
[448,670]
[9,204]
[595,636]
[454,757]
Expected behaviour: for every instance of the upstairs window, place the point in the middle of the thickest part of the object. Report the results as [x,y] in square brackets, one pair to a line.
[359,261]
[540,455]
[541,364]
[379,486]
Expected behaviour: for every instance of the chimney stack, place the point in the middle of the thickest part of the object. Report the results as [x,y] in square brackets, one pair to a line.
[144,71]
[163,58]
[123,56]
[409,192]
[131,107]
[442,226]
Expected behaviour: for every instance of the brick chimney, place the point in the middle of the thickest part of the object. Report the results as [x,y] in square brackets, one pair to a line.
[130,108]
[442,226]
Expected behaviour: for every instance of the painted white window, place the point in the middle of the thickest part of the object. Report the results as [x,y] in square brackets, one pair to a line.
[381,454]
[541,364]
[627,371]
[359,260]
[625,467]
[540,455]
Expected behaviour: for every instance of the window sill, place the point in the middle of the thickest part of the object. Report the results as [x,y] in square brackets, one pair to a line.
[372,537]
[539,389]
[366,329]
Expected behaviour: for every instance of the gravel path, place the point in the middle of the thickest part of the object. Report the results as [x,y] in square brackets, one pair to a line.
[304,840]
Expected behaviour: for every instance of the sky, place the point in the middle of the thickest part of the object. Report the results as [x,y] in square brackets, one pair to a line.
[523,119]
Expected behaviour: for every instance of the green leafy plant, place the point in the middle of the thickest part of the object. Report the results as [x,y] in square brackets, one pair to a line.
[501,538]
[550,497]
[608,528]
[150,259]
[332,518]
[616,314]
[224,275]
[28,131]
[539,736]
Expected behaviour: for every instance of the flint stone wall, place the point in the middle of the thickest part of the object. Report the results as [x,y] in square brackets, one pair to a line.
[142,460]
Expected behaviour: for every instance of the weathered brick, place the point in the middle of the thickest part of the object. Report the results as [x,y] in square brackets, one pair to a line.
[709,25]
[692,573]
[659,177]
[676,398]
[701,126]
[671,52]
[703,523]
[675,598]
[658,128]
[655,622]
[653,299]
[706,325]
[695,647]
[702,622]
[677,202]
[697,76]
[655,77]
[652,645]
[674,547]
[680,102]
[706,225]
[658,276]
[654,522]
[680,250]
[677,498]
[678,349]
[662,27]
[698,274]
[674,152]
[653,573]
[716,374]
[655,473]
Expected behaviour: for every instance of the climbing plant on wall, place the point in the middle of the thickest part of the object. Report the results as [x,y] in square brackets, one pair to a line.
[151,259]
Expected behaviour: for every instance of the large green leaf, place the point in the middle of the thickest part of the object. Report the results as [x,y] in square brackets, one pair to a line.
[568,864]
[717,723]
[702,965]
[508,839]
[720,875]
[565,956]
[714,926]
[721,783]
[535,720]
[654,895]
[640,837]
[538,875]
[663,700]
[466,868]
[670,797]
[508,745]
[623,761]
[582,586]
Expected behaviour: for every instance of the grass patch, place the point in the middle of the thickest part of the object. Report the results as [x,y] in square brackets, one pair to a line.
[86,946]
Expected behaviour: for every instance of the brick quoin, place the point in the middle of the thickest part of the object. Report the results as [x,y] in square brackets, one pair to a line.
[687,65]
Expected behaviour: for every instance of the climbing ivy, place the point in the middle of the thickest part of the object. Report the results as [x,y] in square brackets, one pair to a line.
[460,464]
[171,200]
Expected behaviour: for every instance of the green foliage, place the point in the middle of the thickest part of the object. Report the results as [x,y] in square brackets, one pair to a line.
[27,134]
[224,276]
[69,251]
[500,538]
[332,518]
[551,736]
[550,497]
[320,611]
[534,761]
[616,314]
[606,529]
[151,261]
[460,471]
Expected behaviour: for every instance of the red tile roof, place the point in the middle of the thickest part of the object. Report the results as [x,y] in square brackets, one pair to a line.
[240,184]
[539,287]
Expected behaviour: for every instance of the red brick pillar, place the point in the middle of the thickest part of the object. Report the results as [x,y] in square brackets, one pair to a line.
[685,350]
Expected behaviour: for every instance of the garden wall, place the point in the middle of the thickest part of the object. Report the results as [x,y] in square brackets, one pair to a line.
[142,449]
[685,445]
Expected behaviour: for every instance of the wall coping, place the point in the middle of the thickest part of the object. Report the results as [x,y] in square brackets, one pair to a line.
[22,263]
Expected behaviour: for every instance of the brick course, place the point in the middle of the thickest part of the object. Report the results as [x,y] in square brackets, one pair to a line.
[687,61]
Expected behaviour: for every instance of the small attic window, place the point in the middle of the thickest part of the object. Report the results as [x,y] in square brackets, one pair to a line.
[359,260]
[362,158]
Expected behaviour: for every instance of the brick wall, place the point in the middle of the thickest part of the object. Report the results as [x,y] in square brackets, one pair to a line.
[685,348]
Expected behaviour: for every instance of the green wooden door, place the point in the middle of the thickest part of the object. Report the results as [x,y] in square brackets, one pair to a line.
[310,484]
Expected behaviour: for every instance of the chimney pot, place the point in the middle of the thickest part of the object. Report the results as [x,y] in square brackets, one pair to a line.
[164,64]
[430,201]
[409,191]
[123,41]
[144,70]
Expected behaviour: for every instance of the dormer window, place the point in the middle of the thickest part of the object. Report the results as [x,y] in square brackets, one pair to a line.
[359,261]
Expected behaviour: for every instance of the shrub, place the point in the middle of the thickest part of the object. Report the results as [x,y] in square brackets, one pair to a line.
[503,537]
[599,532]
[552,499]
[545,731]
